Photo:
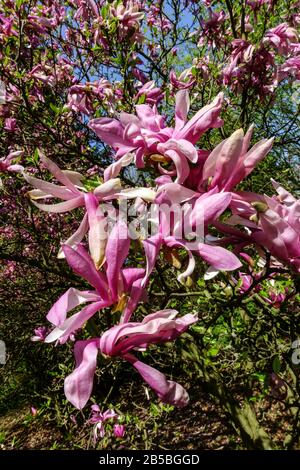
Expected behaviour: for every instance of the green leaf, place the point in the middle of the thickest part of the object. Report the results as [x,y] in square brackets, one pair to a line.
[19,3]
[36,156]
[276,365]
[54,108]
[213,351]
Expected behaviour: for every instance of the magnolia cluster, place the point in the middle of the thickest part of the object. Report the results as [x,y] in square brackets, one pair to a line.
[186,174]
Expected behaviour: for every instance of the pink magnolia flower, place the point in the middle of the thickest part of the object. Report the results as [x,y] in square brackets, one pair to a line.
[184,81]
[290,67]
[40,334]
[244,282]
[275,298]
[10,124]
[231,161]
[203,210]
[273,223]
[242,53]
[82,96]
[120,340]
[211,29]
[98,419]
[7,165]
[74,195]
[119,430]
[114,286]
[129,17]
[151,93]
[281,37]
[146,135]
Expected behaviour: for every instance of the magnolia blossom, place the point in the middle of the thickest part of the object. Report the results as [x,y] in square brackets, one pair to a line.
[119,430]
[231,161]
[204,209]
[7,165]
[120,340]
[98,418]
[273,223]
[40,334]
[282,38]
[74,195]
[146,135]
[150,93]
[114,286]
[184,81]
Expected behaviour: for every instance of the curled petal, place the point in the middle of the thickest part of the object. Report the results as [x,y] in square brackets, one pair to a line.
[69,300]
[114,169]
[167,390]
[75,322]
[65,206]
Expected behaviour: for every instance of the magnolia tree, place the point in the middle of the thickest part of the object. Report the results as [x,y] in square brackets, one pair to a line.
[166,134]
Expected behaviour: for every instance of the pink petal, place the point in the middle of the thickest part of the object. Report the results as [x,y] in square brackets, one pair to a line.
[181,108]
[210,207]
[116,252]
[82,264]
[49,188]
[57,172]
[69,300]
[151,246]
[114,169]
[75,322]
[65,206]
[97,229]
[167,390]
[79,384]
[107,189]
[219,257]
[77,237]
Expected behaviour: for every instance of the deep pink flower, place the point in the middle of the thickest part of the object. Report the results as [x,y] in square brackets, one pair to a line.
[111,286]
[120,340]
[119,430]
[145,135]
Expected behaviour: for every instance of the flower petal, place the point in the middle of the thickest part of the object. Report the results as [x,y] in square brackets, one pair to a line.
[167,390]
[79,384]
